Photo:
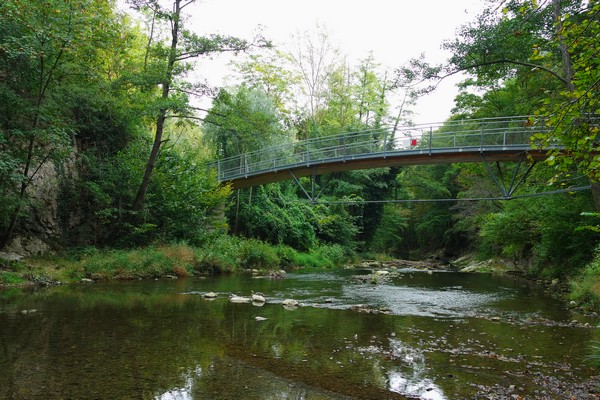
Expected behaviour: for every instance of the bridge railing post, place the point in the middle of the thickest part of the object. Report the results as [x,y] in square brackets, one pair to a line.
[307,153]
[219,170]
[430,138]
[384,144]
[454,138]
[481,129]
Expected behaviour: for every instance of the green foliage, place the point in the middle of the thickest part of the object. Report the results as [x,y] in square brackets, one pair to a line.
[287,256]
[242,120]
[336,224]
[230,253]
[544,230]
[332,255]
[322,257]
[256,254]
[390,235]
[185,201]
[44,49]
[537,59]
[273,213]
[426,226]
[221,254]
[509,233]
[11,278]
[574,110]
[150,262]
[585,287]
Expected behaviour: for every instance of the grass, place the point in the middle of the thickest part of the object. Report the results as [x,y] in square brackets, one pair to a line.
[10,278]
[585,288]
[223,254]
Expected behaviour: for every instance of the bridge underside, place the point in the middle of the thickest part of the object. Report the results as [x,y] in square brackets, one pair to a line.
[386,160]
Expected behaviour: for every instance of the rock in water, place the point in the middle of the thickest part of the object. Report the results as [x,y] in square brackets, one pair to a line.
[258,298]
[239,299]
[290,303]
[257,318]
[210,295]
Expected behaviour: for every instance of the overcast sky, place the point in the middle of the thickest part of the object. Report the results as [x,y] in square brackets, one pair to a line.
[394,30]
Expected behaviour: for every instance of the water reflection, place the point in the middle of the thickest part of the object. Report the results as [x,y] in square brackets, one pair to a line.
[185,392]
[244,381]
[423,389]
[413,379]
[164,341]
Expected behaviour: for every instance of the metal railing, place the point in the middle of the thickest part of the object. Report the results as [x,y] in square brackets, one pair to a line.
[482,134]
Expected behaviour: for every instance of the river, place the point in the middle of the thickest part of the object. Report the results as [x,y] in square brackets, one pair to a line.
[412,334]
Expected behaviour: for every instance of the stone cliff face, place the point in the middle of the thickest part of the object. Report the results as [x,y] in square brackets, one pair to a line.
[42,228]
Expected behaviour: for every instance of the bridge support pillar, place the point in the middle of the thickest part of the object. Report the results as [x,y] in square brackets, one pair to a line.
[515,181]
[312,196]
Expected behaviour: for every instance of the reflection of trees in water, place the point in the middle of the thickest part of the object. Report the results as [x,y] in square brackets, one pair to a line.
[151,341]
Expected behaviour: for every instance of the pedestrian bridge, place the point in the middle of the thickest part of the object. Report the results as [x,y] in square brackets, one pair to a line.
[481,140]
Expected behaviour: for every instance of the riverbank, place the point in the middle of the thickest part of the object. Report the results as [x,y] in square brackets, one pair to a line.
[231,254]
[223,255]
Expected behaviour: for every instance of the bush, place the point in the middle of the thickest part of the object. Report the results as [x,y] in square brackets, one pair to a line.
[585,288]
[287,256]
[220,255]
[334,254]
[323,257]
[150,262]
[256,254]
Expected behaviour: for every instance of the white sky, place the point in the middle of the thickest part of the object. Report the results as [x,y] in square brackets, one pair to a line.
[394,30]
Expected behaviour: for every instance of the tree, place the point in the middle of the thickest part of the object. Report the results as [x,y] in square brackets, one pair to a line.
[50,52]
[272,73]
[242,120]
[173,61]
[315,57]
[552,48]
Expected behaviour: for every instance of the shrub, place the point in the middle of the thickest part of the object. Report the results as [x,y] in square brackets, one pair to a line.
[333,255]
[585,288]
[220,255]
[287,256]
[256,254]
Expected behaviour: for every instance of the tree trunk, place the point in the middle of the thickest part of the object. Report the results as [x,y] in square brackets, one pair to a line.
[160,121]
[596,194]
[564,50]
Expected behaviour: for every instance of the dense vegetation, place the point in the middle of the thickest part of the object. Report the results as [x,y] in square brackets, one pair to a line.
[99,113]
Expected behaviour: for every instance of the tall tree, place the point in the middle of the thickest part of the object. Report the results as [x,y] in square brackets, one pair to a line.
[315,57]
[49,52]
[242,120]
[273,73]
[174,54]
[551,45]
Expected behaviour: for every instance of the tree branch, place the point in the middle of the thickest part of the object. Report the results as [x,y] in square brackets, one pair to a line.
[185,117]
[506,61]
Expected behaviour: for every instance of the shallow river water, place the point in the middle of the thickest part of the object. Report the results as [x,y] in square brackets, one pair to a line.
[442,335]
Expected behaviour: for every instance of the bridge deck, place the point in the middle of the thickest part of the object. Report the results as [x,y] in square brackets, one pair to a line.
[495,139]
[322,167]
